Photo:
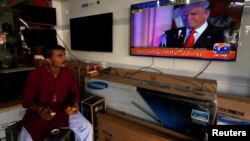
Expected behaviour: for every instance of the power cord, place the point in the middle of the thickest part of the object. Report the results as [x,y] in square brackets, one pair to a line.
[143,68]
[203,69]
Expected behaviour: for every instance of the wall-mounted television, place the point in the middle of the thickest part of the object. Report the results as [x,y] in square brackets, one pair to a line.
[92,33]
[33,14]
[161,28]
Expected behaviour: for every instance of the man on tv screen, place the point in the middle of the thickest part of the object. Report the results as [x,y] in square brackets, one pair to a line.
[197,33]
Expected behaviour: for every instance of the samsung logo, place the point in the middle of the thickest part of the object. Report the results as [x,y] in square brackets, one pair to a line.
[97,85]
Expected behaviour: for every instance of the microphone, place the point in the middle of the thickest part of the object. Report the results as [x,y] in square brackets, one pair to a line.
[20,19]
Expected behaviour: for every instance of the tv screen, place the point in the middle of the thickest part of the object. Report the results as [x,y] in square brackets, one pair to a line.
[39,37]
[12,85]
[92,33]
[189,116]
[33,14]
[197,30]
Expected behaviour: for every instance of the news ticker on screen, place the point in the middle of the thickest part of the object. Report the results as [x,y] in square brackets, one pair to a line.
[239,132]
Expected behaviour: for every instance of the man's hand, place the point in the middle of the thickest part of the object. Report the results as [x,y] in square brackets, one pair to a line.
[70,110]
[46,113]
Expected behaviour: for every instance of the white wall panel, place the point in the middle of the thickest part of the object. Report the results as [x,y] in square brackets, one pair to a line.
[232,77]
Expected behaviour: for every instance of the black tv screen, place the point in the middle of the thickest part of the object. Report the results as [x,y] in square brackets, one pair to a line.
[92,33]
[161,28]
[187,115]
[39,37]
[12,85]
[41,15]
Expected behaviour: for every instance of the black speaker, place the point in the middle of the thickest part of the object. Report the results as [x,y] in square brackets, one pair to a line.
[90,106]
[39,15]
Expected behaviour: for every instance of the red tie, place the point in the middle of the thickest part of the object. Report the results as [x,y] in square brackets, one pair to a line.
[190,40]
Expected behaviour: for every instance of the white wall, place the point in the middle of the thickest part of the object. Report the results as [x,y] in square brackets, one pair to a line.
[232,77]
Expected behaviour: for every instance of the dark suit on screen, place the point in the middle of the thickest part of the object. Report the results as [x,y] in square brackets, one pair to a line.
[210,36]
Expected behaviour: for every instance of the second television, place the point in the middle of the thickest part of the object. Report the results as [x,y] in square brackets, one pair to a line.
[161,28]
[92,33]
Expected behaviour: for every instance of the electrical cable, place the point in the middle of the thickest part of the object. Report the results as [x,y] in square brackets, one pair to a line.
[203,69]
[144,68]
[148,67]
[25,23]
[161,84]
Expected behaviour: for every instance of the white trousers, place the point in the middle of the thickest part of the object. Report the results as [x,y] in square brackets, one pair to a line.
[77,123]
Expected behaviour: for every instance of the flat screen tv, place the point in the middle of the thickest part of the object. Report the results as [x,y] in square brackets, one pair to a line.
[189,116]
[92,33]
[39,37]
[33,14]
[12,85]
[161,28]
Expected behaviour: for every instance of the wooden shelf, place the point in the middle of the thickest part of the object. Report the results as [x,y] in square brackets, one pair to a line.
[16,70]
[10,104]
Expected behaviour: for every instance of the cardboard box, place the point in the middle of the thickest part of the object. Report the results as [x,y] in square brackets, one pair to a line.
[227,120]
[81,70]
[90,106]
[234,106]
[10,115]
[92,73]
[199,84]
[84,67]
[186,112]
[161,130]
[112,128]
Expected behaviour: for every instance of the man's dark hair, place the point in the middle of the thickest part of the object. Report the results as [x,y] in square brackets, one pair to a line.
[202,4]
[48,50]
